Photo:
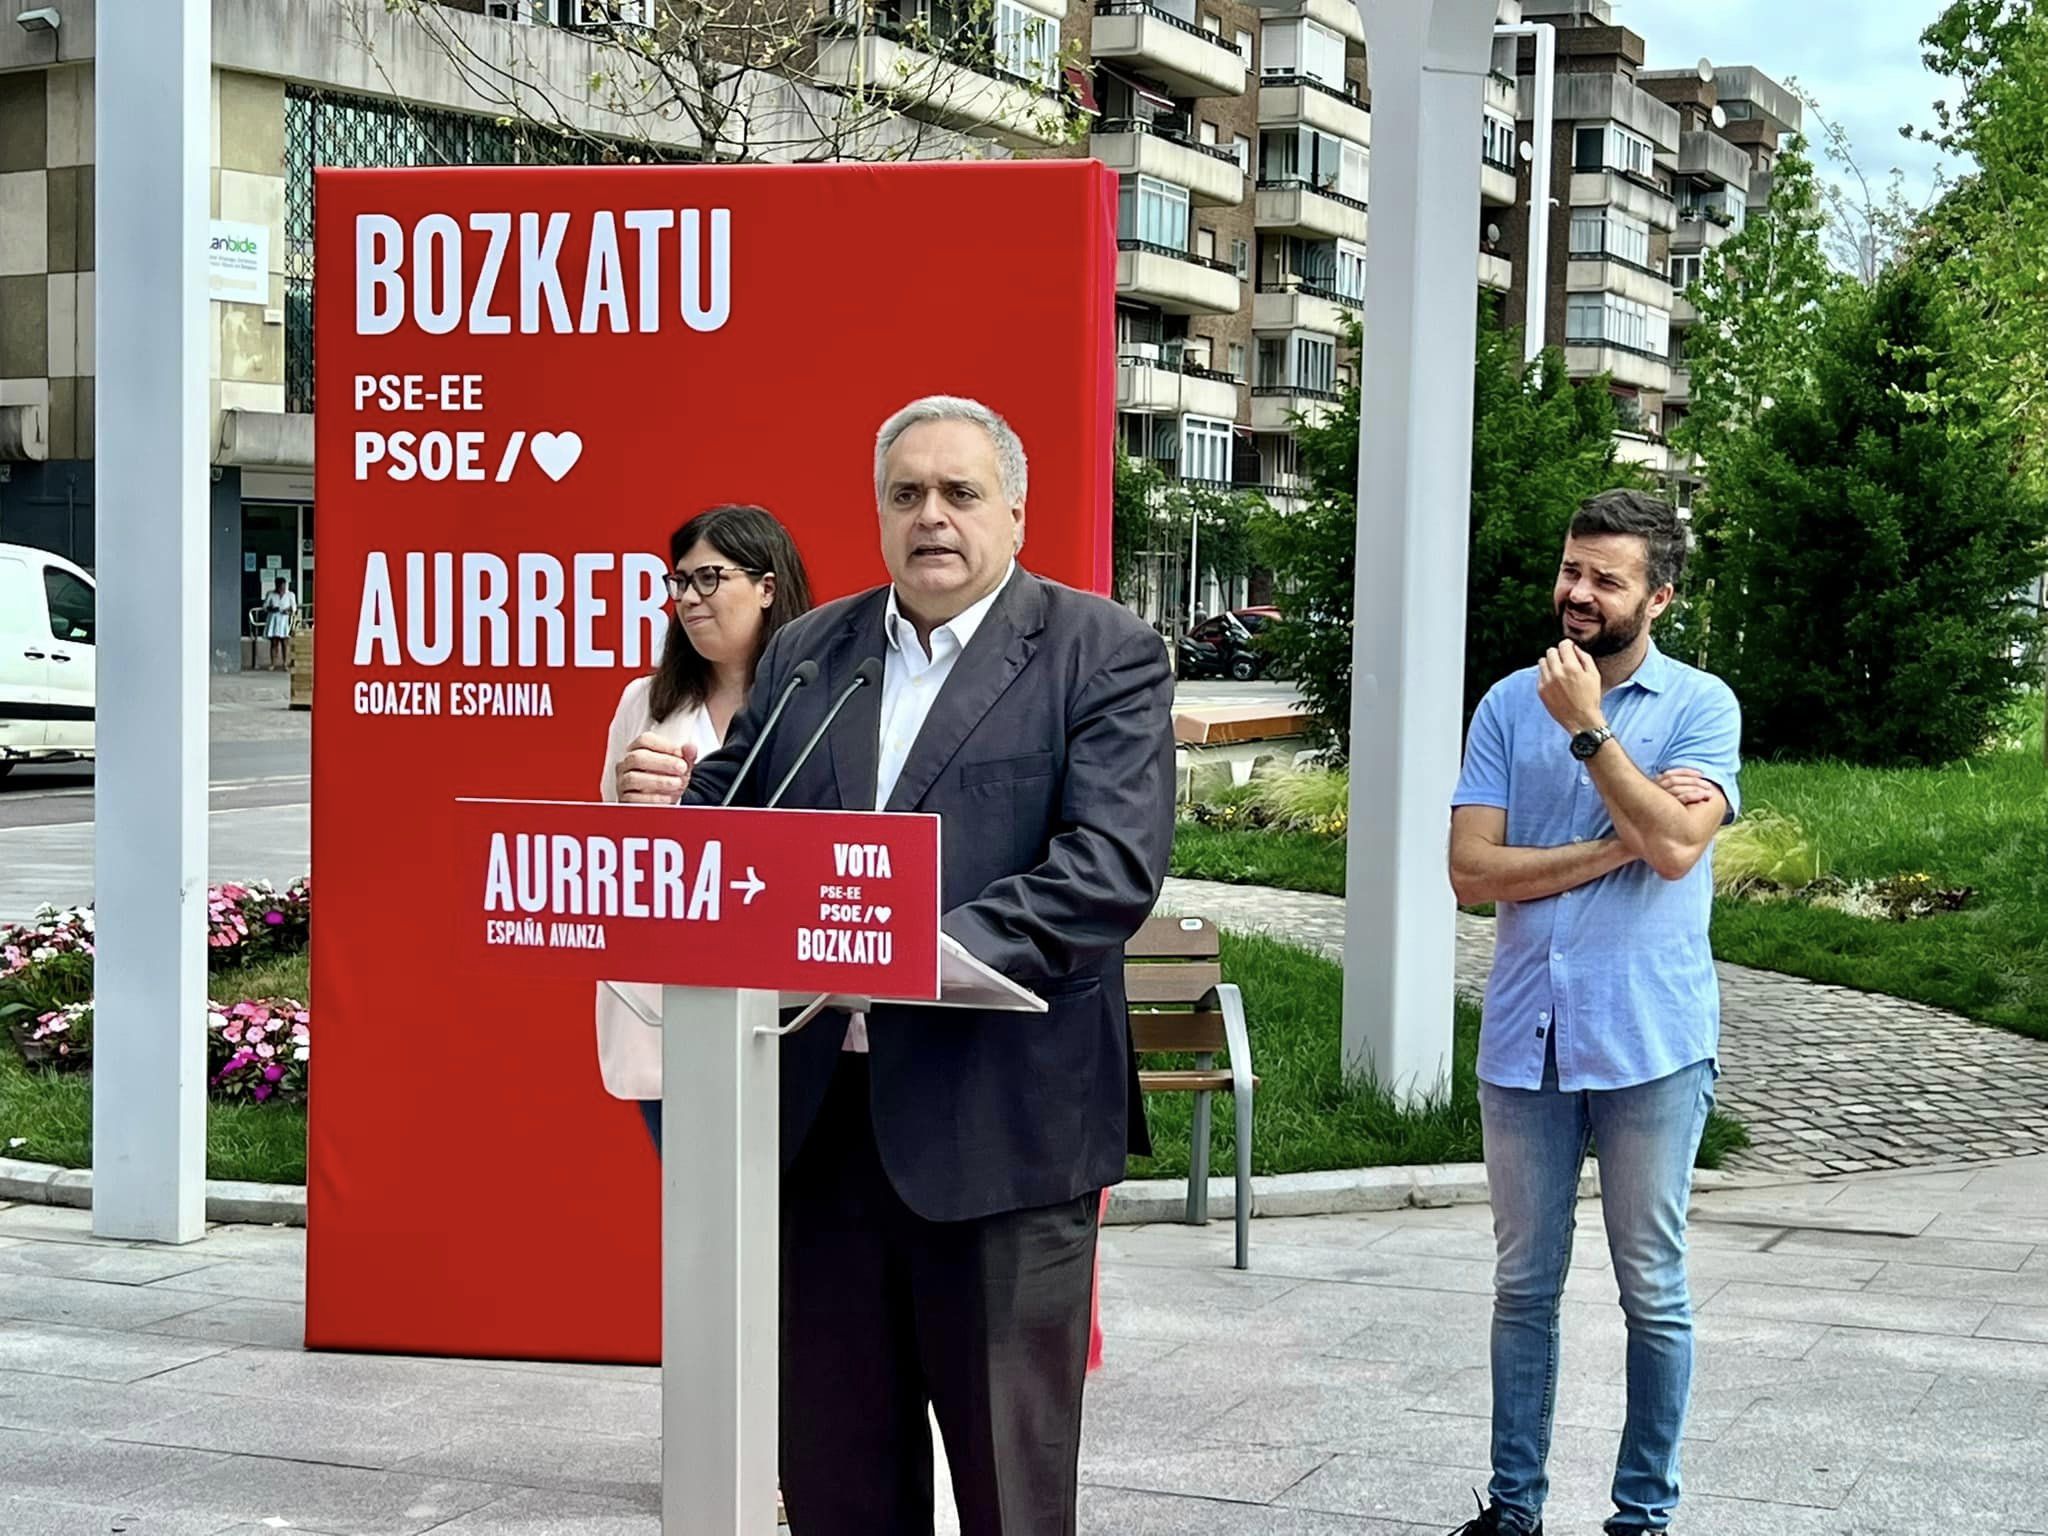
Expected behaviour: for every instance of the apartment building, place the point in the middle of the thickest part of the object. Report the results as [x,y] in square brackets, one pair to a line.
[1655,167]
[1240,138]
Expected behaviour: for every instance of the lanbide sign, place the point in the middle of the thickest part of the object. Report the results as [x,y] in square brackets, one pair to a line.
[526,379]
[843,902]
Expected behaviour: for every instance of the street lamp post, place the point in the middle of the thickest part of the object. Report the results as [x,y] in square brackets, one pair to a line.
[1428,60]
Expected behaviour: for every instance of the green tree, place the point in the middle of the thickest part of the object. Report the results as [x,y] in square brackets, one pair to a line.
[1871,545]
[1152,514]
[1761,297]
[1991,230]
[1540,446]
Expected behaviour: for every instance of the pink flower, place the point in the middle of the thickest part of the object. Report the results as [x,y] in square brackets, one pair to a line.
[265,1051]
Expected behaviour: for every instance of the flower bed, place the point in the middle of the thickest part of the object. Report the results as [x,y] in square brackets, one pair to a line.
[257,1049]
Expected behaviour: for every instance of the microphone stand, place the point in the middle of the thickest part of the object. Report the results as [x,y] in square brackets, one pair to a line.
[806,673]
[870,671]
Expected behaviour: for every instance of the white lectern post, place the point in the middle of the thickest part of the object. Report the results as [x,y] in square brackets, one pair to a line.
[721,1234]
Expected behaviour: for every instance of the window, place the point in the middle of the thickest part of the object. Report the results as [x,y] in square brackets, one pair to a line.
[1315,363]
[1206,132]
[1244,47]
[1497,142]
[1609,146]
[1610,232]
[1685,270]
[1351,271]
[1027,44]
[1155,212]
[1606,319]
[1303,47]
[1213,25]
[1205,449]
[1243,146]
[1236,350]
[1323,160]
[71,605]
[1241,259]
[1205,244]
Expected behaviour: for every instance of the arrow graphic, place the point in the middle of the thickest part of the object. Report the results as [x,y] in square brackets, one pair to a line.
[753,885]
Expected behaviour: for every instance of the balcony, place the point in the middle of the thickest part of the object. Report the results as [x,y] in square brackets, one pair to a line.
[1304,306]
[1701,229]
[1496,272]
[1285,100]
[1644,449]
[971,94]
[1291,206]
[1633,195]
[1704,154]
[1627,365]
[1680,392]
[1178,54]
[1498,187]
[1164,386]
[1683,310]
[1275,406]
[1340,16]
[1179,282]
[1503,95]
[1130,146]
[1601,273]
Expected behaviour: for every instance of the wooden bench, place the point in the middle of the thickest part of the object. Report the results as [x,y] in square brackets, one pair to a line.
[1181,1005]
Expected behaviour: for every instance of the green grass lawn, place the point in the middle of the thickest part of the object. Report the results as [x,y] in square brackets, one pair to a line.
[52,1112]
[1306,1116]
[1983,823]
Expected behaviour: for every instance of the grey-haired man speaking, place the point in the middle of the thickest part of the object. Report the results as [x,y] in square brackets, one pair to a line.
[942,1168]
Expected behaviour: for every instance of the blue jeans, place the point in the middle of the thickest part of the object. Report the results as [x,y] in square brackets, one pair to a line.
[1536,1142]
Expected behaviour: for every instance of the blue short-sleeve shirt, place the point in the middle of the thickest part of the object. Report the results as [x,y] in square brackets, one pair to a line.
[1619,970]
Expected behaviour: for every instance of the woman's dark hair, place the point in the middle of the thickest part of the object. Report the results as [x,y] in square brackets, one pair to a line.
[745,536]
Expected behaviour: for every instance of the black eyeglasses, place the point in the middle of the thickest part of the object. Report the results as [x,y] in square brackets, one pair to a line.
[707,577]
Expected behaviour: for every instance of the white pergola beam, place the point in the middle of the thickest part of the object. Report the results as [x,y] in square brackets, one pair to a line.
[153,128]
[1428,61]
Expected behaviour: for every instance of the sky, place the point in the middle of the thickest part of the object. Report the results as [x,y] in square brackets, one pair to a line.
[1859,58]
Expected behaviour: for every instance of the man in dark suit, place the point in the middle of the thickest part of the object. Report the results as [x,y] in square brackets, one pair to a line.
[942,1167]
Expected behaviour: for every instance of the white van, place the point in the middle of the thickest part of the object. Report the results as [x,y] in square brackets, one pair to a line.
[46,657]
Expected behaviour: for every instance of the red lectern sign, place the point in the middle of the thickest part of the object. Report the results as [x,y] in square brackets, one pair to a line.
[824,901]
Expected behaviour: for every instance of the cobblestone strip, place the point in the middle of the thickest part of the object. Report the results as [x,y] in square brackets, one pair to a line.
[1827,1079]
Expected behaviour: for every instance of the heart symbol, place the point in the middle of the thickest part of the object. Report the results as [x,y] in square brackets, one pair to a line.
[556,452]
[882,914]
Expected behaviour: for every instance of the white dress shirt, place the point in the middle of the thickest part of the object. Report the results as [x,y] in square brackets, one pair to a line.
[911,680]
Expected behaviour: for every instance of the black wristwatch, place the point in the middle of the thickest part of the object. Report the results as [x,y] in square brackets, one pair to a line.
[1586,743]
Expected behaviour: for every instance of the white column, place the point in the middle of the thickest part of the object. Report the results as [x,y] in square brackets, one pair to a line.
[154,120]
[1428,59]
[720,1253]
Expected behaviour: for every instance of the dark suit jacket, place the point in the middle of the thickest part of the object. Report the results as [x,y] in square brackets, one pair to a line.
[1049,754]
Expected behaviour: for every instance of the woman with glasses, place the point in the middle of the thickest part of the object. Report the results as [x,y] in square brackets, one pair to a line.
[736,578]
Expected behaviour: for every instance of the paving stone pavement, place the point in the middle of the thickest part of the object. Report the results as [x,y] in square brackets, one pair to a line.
[1872,1361]
[1828,1080]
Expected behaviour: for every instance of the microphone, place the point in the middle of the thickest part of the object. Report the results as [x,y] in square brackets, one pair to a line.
[869,671]
[803,676]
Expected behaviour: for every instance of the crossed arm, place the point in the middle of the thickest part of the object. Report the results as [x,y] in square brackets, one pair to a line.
[1667,822]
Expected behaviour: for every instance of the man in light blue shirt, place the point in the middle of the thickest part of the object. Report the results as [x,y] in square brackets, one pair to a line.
[1594,783]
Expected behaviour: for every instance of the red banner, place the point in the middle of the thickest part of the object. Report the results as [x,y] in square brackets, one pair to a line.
[787,900]
[527,379]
